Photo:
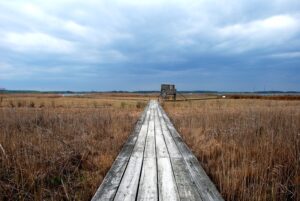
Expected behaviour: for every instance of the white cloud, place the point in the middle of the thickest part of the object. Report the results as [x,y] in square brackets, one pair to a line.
[8,71]
[4,67]
[32,10]
[36,42]
[280,23]
[99,57]
[98,25]
[76,28]
[263,33]
[285,55]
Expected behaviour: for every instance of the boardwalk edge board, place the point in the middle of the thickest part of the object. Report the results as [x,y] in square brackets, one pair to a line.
[155,164]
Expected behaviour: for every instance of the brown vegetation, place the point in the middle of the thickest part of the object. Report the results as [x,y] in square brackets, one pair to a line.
[250,148]
[60,148]
[264,97]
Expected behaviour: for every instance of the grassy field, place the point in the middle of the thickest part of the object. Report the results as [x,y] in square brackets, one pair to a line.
[60,148]
[249,147]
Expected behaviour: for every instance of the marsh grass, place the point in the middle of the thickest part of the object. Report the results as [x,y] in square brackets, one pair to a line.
[249,148]
[56,148]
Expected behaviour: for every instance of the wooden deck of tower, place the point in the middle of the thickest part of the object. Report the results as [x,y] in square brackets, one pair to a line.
[155,164]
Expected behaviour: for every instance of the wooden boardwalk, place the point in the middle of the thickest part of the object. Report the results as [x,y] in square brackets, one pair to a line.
[155,164]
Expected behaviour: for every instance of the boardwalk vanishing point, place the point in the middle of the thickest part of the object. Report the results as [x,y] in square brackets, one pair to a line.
[155,164]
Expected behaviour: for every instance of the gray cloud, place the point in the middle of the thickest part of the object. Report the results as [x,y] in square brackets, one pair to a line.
[131,40]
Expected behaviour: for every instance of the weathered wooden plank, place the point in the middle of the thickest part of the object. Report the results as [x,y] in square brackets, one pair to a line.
[171,146]
[184,182]
[110,184]
[205,187]
[129,184]
[161,148]
[148,182]
[166,181]
[186,187]
[150,151]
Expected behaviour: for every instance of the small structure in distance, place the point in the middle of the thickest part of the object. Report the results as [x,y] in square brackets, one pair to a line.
[168,90]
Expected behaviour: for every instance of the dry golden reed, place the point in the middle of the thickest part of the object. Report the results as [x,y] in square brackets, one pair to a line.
[250,148]
[60,148]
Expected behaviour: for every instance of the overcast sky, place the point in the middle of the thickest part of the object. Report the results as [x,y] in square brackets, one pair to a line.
[232,45]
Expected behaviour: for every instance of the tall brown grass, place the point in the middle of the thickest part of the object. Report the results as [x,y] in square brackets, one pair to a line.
[250,148]
[269,97]
[55,148]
